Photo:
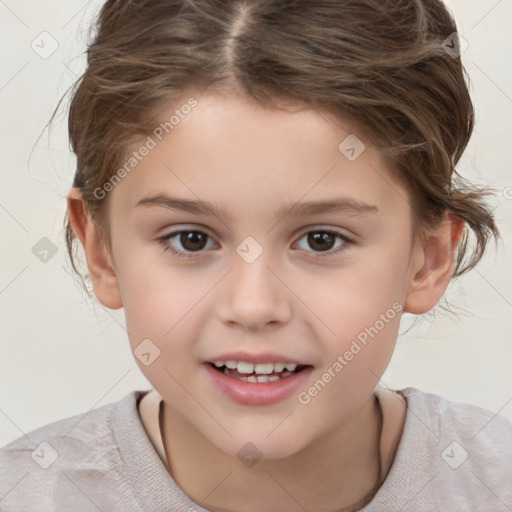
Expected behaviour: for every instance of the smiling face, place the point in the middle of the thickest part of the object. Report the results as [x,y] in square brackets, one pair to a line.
[263,279]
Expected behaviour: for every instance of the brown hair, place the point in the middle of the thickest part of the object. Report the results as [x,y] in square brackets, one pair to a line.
[385,64]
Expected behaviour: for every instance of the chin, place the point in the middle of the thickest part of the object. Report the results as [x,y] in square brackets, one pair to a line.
[253,445]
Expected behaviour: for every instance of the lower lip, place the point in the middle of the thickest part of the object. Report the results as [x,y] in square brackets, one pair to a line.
[262,393]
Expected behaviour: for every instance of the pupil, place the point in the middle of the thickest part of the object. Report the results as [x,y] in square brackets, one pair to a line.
[192,237]
[324,239]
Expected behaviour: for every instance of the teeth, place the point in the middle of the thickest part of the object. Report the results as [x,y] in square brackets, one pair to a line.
[243,367]
[260,378]
[264,369]
[260,368]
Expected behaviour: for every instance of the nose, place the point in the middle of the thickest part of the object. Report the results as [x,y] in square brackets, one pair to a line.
[254,296]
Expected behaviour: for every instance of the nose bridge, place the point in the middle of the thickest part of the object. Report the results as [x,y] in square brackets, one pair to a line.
[253,296]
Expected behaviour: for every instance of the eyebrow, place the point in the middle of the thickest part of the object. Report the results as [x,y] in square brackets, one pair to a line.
[199,207]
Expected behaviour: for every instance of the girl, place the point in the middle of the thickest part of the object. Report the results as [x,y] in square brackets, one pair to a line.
[266,187]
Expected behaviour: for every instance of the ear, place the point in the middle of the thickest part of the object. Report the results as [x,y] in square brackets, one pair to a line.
[99,259]
[432,266]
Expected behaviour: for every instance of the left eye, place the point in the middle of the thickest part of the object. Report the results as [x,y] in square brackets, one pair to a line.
[194,241]
[324,241]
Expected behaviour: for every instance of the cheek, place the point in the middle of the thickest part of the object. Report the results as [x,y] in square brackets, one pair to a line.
[362,347]
[347,300]
[164,305]
[155,295]
[359,308]
[160,322]
[355,360]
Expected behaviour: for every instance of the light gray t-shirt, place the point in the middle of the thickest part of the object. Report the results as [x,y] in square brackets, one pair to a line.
[451,457]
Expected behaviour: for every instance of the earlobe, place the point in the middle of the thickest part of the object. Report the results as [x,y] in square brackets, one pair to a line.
[433,266]
[99,260]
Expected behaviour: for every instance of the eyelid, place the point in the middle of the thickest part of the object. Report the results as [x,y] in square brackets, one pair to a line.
[332,229]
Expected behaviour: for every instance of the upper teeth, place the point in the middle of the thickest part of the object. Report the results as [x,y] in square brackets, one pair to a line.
[260,368]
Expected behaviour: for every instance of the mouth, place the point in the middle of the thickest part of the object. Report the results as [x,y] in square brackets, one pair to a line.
[259,372]
[259,379]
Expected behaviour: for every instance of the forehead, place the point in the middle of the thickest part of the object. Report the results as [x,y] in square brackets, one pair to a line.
[230,150]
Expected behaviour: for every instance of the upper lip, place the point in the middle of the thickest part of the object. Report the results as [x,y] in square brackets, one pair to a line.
[262,357]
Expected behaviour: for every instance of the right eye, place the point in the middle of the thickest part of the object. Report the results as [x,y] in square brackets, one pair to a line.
[192,241]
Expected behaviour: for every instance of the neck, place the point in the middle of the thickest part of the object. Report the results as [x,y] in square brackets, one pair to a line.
[341,471]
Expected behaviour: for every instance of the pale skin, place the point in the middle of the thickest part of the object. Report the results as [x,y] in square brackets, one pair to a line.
[251,161]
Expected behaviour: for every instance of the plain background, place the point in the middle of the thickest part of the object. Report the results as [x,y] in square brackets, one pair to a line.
[62,355]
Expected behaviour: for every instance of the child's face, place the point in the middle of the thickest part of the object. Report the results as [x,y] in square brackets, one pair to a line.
[229,301]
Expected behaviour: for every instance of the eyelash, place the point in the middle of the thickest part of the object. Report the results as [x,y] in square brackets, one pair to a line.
[164,241]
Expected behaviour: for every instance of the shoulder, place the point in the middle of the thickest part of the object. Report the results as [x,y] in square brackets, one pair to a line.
[61,463]
[452,456]
[466,419]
